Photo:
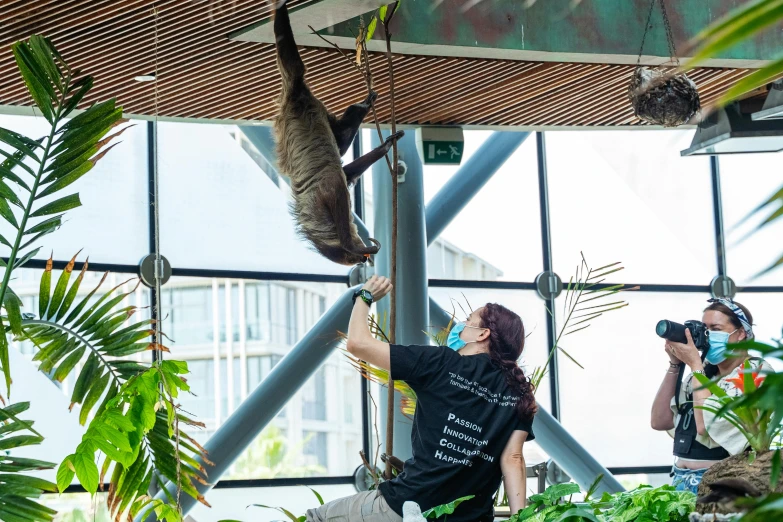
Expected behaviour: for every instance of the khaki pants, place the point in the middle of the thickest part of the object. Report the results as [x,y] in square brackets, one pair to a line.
[369,506]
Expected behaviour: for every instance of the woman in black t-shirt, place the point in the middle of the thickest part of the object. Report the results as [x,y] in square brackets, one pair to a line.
[474,411]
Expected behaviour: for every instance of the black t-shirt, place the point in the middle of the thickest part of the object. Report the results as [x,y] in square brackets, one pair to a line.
[464,417]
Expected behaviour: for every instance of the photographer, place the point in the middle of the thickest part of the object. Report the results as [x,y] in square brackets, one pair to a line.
[700,438]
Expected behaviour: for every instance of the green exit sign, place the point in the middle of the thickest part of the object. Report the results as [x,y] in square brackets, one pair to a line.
[440,145]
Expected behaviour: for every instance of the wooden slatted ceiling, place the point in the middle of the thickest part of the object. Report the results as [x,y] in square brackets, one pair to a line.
[203,74]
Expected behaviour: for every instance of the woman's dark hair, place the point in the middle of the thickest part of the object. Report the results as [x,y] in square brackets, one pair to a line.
[506,341]
[712,370]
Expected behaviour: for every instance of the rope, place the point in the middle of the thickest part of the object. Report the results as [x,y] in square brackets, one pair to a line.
[158,259]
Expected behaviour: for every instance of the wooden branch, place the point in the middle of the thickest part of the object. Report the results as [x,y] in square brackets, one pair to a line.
[393,275]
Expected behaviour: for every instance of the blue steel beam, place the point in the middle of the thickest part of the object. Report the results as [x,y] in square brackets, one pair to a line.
[411,284]
[266,401]
[469,179]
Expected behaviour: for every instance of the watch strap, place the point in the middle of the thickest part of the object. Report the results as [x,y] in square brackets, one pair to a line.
[365,295]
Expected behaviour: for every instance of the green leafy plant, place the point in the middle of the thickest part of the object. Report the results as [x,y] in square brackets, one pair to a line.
[769,507]
[648,504]
[291,516]
[43,168]
[445,509]
[757,412]
[740,24]
[135,422]
[552,506]
[17,490]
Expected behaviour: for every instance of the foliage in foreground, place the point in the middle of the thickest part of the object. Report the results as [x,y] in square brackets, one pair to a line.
[17,491]
[135,421]
[648,504]
[740,24]
[41,169]
[643,504]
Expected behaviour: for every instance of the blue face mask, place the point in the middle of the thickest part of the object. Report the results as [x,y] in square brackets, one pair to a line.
[454,341]
[718,344]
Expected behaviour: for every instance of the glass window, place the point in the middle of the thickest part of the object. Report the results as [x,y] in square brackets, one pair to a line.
[112,225]
[478,243]
[748,180]
[314,397]
[201,401]
[272,310]
[606,406]
[630,197]
[214,197]
[291,316]
[315,449]
[257,317]
[189,310]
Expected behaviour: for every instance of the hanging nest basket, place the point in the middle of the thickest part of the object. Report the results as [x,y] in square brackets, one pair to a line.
[663,99]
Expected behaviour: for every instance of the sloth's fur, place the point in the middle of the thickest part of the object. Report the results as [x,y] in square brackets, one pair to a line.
[310,142]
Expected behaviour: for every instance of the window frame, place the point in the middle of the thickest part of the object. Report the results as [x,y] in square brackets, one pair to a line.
[358,201]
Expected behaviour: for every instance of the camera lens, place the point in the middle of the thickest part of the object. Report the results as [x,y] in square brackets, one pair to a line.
[662,328]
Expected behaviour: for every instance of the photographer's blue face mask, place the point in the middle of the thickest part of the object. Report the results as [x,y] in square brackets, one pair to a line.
[718,344]
[454,341]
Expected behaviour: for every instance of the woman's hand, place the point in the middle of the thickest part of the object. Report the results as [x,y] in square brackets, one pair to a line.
[672,358]
[686,352]
[378,286]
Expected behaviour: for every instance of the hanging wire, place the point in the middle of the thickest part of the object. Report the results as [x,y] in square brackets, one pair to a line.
[159,268]
[669,35]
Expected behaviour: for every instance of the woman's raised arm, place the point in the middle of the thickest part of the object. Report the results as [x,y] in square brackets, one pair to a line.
[361,343]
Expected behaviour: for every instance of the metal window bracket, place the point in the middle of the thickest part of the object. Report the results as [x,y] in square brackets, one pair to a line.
[150,268]
[723,286]
[548,285]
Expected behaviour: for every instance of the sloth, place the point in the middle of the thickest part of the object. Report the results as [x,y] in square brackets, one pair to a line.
[310,142]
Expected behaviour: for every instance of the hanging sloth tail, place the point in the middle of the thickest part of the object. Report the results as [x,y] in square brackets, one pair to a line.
[291,66]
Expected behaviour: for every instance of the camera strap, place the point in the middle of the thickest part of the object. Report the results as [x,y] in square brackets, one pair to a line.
[678,387]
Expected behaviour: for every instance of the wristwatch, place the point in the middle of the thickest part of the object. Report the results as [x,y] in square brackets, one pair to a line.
[364,294]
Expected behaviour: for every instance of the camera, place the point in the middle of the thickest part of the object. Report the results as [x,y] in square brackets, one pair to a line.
[672,331]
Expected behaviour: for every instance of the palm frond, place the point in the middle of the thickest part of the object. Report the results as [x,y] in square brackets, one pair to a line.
[582,288]
[128,407]
[43,168]
[17,490]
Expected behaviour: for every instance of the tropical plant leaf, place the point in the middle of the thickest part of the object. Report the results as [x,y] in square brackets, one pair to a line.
[287,513]
[56,91]
[17,490]
[775,471]
[371,27]
[61,205]
[445,509]
[735,27]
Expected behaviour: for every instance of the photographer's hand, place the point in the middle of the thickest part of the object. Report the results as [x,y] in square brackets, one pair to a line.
[672,358]
[686,352]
